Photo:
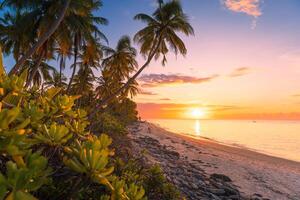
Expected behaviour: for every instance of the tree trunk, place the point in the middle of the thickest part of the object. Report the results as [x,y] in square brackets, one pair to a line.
[34,71]
[41,40]
[126,85]
[74,65]
[60,70]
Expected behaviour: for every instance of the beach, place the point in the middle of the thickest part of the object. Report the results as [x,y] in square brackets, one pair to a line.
[221,168]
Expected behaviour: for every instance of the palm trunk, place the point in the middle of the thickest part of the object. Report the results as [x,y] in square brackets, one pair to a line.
[41,40]
[74,66]
[60,69]
[34,71]
[127,84]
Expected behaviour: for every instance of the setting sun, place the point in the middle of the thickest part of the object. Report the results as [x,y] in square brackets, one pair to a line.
[197,113]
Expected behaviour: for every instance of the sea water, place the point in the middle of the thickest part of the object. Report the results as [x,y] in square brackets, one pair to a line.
[276,138]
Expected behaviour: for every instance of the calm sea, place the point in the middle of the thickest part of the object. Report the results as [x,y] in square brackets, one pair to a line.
[277,138]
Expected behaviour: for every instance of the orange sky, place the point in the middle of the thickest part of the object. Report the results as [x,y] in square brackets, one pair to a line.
[243,63]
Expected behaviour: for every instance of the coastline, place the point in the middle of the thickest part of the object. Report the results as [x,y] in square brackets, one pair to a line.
[252,173]
[242,150]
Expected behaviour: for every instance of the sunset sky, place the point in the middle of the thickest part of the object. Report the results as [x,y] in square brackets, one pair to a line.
[242,63]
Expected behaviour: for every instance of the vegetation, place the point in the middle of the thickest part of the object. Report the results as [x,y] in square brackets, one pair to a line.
[52,141]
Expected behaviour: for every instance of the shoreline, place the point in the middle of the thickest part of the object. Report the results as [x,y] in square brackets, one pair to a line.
[251,172]
[220,145]
[237,146]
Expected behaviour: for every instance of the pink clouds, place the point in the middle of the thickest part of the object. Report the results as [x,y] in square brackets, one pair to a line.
[155,80]
[239,72]
[250,7]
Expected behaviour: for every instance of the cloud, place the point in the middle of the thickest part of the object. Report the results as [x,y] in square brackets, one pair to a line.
[249,7]
[146,92]
[296,95]
[240,72]
[155,80]
[165,99]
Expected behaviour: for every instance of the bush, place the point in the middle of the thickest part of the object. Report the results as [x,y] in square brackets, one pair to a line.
[150,177]
[124,110]
[107,123]
[46,147]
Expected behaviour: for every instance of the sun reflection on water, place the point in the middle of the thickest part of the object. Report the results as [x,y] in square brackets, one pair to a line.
[197,128]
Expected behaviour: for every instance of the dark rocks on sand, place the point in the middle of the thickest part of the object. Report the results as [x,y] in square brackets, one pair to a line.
[221,177]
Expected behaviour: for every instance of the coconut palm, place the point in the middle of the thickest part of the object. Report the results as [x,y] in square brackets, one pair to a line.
[57,80]
[159,36]
[15,34]
[89,60]
[53,9]
[44,36]
[120,62]
[84,30]
[43,74]
[63,50]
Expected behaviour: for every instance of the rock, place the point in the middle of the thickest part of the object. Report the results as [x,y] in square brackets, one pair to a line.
[221,177]
[230,191]
[234,197]
[218,192]
[214,197]
[258,195]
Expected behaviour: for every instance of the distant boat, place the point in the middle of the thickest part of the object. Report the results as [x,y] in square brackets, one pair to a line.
[254,121]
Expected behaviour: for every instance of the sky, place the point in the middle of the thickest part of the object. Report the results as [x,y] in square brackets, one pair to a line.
[242,63]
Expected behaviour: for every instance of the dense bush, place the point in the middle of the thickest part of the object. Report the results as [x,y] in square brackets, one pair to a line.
[107,123]
[150,177]
[124,110]
[47,151]
[45,144]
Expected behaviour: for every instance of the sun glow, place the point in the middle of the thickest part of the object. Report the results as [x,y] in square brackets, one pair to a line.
[197,113]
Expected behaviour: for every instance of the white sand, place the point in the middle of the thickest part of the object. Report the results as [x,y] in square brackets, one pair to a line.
[252,172]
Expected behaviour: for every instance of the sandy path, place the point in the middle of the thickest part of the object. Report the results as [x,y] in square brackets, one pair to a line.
[252,172]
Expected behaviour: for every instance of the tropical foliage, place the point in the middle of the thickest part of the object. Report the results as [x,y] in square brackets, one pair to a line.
[56,129]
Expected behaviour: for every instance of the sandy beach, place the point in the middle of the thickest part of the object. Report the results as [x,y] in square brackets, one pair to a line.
[253,174]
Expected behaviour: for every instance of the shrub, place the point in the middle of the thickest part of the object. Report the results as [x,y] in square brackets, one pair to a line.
[107,123]
[150,177]
[42,138]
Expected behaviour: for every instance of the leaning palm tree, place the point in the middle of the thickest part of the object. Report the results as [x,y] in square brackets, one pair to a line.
[159,36]
[47,11]
[45,35]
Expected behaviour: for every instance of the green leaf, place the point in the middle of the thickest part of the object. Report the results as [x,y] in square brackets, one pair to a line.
[2,70]
[50,93]
[20,195]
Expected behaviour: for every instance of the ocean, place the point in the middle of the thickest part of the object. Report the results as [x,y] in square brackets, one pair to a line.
[275,138]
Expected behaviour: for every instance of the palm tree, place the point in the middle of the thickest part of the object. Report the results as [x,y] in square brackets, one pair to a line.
[84,30]
[49,10]
[120,62]
[44,73]
[43,37]
[89,61]
[116,68]
[159,36]
[15,34]
[57,80]
[63,49]
[83,81]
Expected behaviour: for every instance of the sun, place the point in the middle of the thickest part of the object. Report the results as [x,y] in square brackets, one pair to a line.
[197,113]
